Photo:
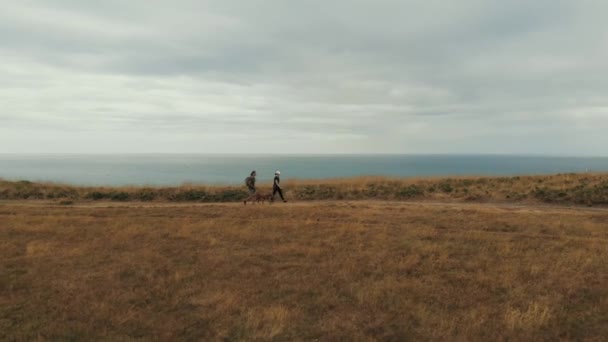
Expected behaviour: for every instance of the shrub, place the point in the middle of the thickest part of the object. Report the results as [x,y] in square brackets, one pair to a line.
[190,195]
[28,194]
[146,195]
[306,192]
[467,182]
[119,196]
[515,196]
[232,195]
[411,191]
[95,195]
[482,181]
[445,187]
[5,194]
[327,192]
[62,193]
[379,189]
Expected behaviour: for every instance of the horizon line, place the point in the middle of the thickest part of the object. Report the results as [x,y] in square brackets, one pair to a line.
[287,154]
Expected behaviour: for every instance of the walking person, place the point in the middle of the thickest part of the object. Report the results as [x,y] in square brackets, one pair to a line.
[250,183]
[276,187]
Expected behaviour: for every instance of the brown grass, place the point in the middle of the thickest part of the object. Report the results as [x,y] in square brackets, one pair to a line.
[320,270]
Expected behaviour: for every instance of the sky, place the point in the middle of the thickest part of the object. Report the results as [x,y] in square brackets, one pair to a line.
[270,76]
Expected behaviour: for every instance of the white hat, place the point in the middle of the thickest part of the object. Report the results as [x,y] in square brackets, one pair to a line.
[278,173]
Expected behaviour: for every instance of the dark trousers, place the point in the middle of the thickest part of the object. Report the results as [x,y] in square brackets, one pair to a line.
[275,190]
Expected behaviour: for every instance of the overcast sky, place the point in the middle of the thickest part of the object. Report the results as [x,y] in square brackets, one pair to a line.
[342,76]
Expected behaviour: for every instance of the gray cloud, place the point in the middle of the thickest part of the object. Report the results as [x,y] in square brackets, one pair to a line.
[276,76]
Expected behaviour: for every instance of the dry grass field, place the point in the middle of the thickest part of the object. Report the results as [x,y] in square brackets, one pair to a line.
[326,270]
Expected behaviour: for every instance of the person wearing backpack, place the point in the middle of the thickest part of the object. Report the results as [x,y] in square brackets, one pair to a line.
[250,182]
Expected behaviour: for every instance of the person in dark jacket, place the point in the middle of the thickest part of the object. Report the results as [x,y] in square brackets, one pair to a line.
[276,186]
[250,182]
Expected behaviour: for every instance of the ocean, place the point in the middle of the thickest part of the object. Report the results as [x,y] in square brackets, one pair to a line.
[176,169]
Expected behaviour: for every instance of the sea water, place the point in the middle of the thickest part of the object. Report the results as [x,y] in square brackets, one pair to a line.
[176,169]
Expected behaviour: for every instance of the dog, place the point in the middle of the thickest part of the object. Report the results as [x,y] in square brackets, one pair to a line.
[259,197]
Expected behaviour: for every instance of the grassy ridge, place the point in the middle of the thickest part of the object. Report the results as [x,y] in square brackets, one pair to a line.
[581,189]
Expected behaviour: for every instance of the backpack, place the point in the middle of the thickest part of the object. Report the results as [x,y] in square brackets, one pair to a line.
[249,182]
